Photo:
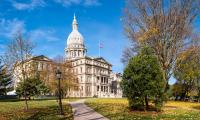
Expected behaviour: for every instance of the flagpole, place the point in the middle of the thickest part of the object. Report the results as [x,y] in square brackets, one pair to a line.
[99,49]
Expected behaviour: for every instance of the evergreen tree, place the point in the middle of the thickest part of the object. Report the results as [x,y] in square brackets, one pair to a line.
[32,86]
[143,81]
[5,80]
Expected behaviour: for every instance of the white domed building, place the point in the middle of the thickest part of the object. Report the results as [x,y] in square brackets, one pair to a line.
[95,75]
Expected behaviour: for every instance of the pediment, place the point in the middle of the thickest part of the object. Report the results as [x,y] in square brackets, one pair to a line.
[41,57]
[102,60]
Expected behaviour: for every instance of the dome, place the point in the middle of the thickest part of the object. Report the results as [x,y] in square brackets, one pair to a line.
[75,37]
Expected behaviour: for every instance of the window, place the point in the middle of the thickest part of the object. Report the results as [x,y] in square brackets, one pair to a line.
[88,70]
[97,88]
[81,69]
[88,79]
[101,79]
[81,79]
[97,79]
[106,80]
[106,88]
[88,88]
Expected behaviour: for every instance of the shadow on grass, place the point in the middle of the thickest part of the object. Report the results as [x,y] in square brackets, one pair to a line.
[196,107]
[37,99]
[46,113]
[17,100]
[50,113]
[10,100]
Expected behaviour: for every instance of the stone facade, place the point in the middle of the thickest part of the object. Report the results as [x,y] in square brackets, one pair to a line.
[33,66]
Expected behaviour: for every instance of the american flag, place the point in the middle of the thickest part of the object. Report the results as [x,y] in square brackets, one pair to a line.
[100,45]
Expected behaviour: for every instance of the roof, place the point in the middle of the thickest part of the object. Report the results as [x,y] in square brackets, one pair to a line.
[40,57]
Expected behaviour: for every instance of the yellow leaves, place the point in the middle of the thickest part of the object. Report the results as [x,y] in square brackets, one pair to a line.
[116,109]
[191,52]
[147,35]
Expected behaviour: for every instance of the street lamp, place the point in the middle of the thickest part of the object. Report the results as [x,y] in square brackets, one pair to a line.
[58,76]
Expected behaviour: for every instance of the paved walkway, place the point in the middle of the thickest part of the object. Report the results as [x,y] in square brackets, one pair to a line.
[83,112]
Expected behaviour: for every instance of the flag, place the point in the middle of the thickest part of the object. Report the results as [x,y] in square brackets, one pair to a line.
[100,45]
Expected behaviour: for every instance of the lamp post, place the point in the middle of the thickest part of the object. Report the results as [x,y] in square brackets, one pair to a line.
[58,76]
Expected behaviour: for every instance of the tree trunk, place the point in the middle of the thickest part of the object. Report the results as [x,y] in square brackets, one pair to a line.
[176,98]
[146,103]
[183,96]
[26,103]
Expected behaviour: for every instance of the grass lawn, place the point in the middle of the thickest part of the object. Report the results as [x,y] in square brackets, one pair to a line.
[38,110]
[117,109]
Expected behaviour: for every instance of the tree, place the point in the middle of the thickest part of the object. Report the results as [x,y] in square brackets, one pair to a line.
[5,80]
[187,71]
[62,80]
[69,80]
[198,89]
[32,86]
[17,52]
[177,90]
[143,81]
[165,26]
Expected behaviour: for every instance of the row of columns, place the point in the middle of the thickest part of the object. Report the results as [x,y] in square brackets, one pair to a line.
[75,53]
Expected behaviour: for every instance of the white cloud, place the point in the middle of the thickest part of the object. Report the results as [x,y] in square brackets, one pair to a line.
[67,3]
[28,6]
[32,4]
[43,34]
[9,28]
[92,3]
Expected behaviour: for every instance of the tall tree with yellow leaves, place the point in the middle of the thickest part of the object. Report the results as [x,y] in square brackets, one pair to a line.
[164,25]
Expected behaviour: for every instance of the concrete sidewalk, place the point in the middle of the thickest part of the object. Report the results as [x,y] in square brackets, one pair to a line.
[83,112]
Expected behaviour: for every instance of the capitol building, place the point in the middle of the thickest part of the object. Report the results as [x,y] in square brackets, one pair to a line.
[94,74]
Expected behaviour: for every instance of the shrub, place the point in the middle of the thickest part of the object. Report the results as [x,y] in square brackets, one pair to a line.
[143,81]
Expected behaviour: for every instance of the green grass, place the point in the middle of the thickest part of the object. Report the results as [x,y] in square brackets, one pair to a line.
[38,110]
[117,109]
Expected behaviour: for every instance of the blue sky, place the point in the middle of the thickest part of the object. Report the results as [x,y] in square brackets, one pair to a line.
[48,23]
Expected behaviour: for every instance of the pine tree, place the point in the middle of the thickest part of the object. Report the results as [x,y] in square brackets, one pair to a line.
[33,87]
[5,80]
